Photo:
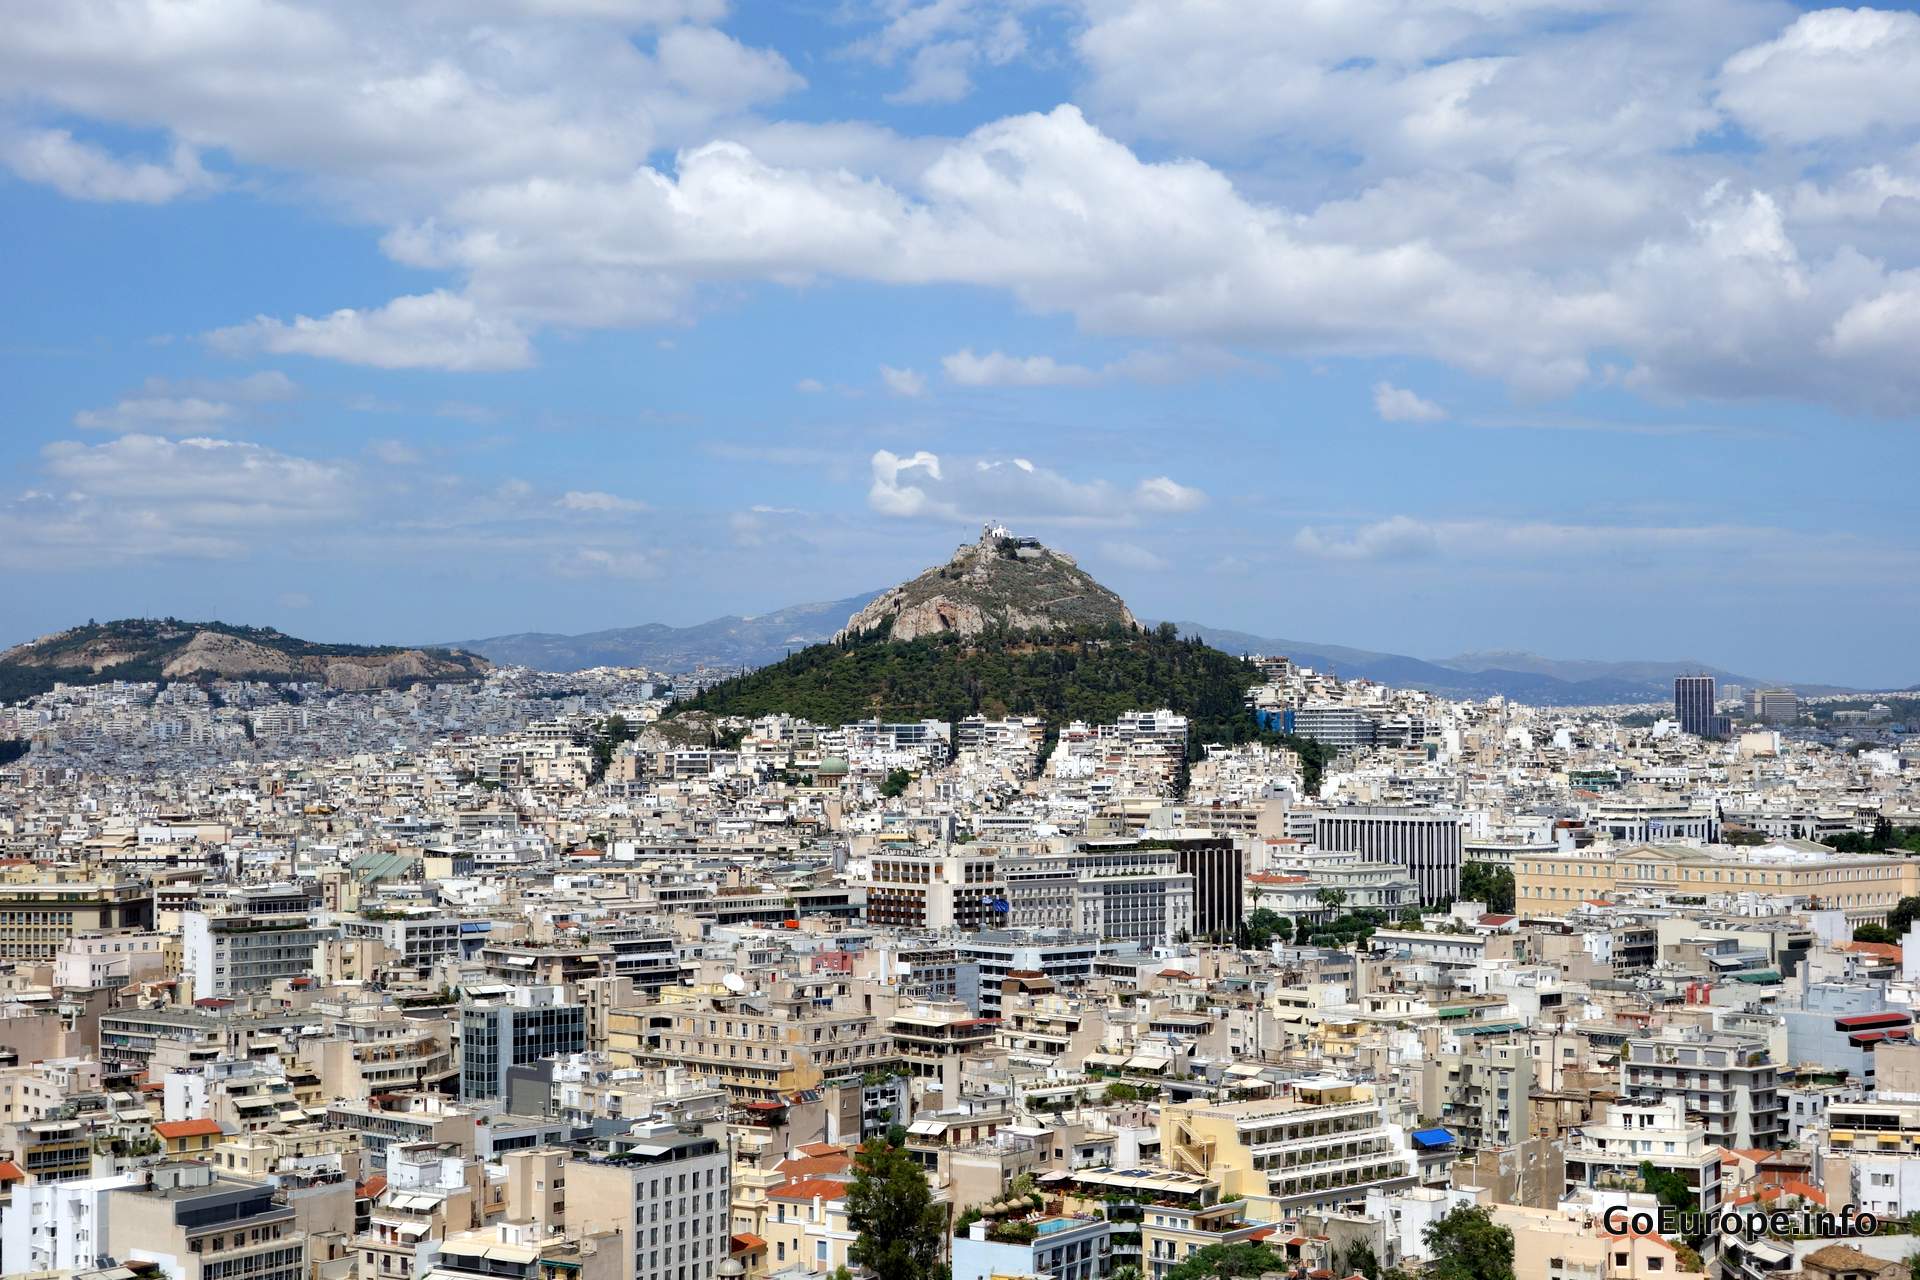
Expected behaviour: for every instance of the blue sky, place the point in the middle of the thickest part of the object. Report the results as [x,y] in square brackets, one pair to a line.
[1578,327]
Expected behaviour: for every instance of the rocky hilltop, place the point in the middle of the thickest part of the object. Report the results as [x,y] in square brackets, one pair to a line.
[1000,582]
[169,649]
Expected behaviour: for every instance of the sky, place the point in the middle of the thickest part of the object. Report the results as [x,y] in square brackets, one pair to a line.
[1586,327]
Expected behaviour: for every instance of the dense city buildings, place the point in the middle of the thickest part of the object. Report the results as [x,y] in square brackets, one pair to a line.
[452,981]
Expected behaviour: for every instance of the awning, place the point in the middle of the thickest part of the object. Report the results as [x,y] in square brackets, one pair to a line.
[1433,1137]
[1106,1059]
[1147,1062]
[1758,976]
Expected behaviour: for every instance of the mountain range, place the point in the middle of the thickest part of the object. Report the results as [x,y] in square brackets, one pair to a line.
[1524,677]
[755,641]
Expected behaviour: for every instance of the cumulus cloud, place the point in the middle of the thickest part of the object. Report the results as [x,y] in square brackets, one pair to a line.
[1161,493]
[82,171]
[922,485]
[1513,215]
[437,330]
[902,382]
[1832,73]
[597,503]
[1397,404]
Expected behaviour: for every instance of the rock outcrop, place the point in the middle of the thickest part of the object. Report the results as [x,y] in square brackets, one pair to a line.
[1001,581]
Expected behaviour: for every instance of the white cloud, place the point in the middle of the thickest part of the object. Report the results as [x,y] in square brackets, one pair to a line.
[191,404]
[1510,188]
[1397,404]
[437,330]
[1398,538]
[902,382]
[1130,555]
[923,485]
[626,564]
[145,497]
[1162,493]
[996,369]
[810,386]
[225,481]
[82,171]
[591,501]
[1831,74]
[1543,542]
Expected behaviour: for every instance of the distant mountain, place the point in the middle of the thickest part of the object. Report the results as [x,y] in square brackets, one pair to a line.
[946,599]
[1525,677]
[731,641]
[997,583]
[153,649]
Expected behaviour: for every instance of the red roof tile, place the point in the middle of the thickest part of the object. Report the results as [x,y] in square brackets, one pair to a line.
[188,1128]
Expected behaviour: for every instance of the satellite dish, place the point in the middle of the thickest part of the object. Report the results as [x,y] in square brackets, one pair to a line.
[733,982]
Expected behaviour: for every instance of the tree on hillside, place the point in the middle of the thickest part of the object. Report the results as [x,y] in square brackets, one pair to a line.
[902,1232]
[1468,1244]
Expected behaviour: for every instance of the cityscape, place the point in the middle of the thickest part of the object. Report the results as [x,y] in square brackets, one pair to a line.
[1018,560]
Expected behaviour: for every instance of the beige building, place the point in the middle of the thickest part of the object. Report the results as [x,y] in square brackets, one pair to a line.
[760,1048]
[40,910]
[1561,1245]
[1865,886]
[1326,1143]
[202,1225]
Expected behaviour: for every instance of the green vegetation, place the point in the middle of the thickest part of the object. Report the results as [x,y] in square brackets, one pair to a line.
[607,736]
[1468,1244]
[1093,675]
[1885,836]
[898,780]
[1874,933]
[1355,926]
[1227,1262]
[902,1232]
[1489,883]
[1672,1191]
[12,749]
[1121,1091]
[1362,1259]
[1262,927]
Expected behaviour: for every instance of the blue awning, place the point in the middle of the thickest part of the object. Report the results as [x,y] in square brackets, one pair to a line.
[1433,1137]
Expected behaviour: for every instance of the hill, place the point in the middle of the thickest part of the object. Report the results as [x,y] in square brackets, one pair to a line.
[166,649]
[730,641]
[1000,583]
